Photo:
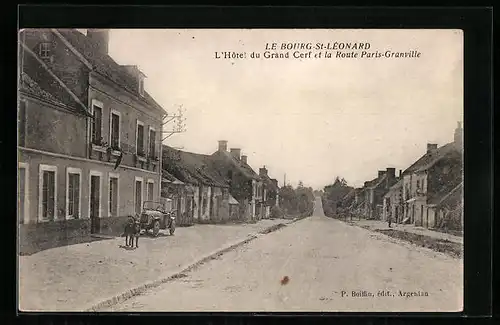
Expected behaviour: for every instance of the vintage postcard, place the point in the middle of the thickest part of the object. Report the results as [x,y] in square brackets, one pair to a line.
[261,170]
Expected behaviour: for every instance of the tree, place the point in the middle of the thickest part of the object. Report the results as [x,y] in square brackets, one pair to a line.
[178,123]
[333,195]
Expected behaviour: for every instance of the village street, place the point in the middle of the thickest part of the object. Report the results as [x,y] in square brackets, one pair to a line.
[325,262]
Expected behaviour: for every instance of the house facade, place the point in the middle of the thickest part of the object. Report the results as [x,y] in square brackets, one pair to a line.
[269,192]
[206,192]
[182,196]
[393,203]
[430,178]
[244,184]
[375,191]
[93,115]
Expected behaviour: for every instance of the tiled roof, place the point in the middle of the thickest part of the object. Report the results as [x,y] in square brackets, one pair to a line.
[378,181]
[104,64]
[398,185]
[244,168]
[37,82]
[430,158]
[191,167]
[269,182]
[447,196]
[167,177]
[29,86]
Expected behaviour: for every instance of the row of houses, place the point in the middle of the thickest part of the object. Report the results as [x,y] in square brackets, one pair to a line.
[90,147]
[428,193]
[216,188]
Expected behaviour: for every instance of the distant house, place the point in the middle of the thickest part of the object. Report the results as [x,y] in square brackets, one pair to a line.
[269,192]
[430,178]
[393,202]
[208,193]
[375,191]
[182,198]
[245,184]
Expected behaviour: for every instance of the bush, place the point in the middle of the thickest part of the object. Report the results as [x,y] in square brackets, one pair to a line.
[276,212]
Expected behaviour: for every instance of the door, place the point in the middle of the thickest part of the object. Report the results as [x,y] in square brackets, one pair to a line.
[421,215]
[95,203]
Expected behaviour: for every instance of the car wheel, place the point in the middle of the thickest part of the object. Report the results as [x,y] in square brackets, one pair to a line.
[156,228]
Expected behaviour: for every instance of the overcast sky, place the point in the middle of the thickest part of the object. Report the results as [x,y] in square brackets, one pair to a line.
[312,119]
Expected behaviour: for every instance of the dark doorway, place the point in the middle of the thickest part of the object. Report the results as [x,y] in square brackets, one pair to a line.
[95,203]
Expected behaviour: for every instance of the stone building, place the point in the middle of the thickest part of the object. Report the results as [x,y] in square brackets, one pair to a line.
[244,184]
[80,115]
[207,193]
[430,178]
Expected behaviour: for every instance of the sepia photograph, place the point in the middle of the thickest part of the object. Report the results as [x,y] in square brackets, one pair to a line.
[240,170]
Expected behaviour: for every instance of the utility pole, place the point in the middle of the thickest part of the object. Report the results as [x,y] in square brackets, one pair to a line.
[178,127]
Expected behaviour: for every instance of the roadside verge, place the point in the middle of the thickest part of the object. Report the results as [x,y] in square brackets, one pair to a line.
[445,246]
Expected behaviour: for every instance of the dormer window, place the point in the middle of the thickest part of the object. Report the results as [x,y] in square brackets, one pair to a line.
[44,50]
[141,86]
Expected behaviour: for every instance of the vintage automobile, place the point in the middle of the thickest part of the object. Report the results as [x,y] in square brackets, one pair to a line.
[154,217]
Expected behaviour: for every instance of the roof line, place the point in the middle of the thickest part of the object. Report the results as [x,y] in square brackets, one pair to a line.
[54,76]
[56,106]
[72,48]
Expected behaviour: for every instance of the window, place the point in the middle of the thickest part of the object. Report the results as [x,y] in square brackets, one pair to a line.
[151,187]
[47,193]
[418,184]
[140,138]
[114,130]
[113,195]
[44,50]
[97,125]
[138,195]
[22,193]
[152,139]
[21,123]
[73,190]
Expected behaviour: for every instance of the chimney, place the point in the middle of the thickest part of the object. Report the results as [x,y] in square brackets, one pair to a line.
[400,173]
[100,38]
[381,173]
[457,139]
[263,171]
[244,159]
[431,146]
[391,176]
[236,153]
[222,145]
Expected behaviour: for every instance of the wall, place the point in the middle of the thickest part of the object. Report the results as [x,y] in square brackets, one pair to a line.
[113,98]
[109,225]
[40,236]
[54,130]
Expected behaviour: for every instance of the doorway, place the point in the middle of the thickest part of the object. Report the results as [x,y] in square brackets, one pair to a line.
[95,203]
